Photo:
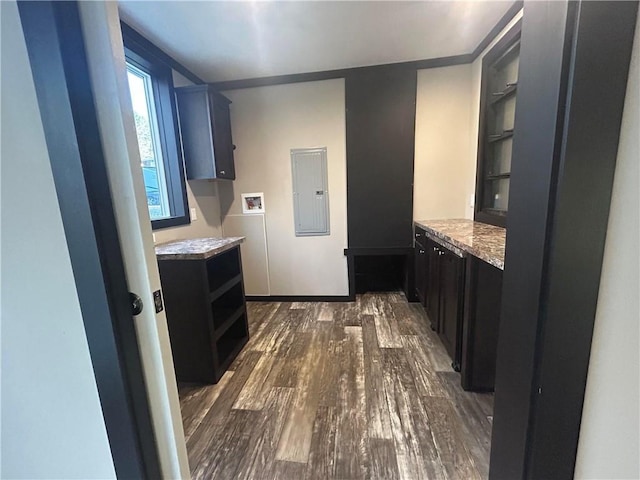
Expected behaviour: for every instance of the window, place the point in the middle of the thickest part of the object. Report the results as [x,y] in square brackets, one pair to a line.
[154,112]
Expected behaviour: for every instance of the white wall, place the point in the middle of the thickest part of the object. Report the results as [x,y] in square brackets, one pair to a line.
[444,170]
[609,433]
[201,195]
[446,144]
[267,123]
[52,424]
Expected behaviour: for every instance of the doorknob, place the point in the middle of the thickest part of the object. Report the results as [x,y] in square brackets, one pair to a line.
[136,304]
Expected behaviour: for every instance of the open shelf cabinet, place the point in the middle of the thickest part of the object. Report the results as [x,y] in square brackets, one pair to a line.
[497,127]
[206,314]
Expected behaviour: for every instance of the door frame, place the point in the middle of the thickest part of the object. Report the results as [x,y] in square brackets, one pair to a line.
[55,45]
[571,94]
[528,442]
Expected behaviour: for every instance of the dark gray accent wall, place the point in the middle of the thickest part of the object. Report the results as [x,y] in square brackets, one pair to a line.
[381,110]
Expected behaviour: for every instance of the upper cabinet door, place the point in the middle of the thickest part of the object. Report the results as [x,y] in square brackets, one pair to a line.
[222,139]
[205,128]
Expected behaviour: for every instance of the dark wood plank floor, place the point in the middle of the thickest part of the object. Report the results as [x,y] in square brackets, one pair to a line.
[338,391]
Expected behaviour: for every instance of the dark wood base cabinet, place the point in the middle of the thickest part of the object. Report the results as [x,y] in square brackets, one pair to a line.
[451,280]
[206,314]
[462,298]
[439,280]
[480,325]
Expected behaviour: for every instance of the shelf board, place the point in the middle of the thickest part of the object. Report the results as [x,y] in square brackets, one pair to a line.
[500,137]
[495,211]
[498,176]
[498,97]
[225,287]
[221,330]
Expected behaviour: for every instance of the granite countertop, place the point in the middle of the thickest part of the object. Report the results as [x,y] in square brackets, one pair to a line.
[196,248]
[478,239]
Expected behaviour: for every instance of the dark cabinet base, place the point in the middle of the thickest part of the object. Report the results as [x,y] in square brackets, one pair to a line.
[206,314]
[480,326]
[439,284]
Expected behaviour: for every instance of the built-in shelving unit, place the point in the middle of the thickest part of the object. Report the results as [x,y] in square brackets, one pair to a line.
[497,126]
[206,314]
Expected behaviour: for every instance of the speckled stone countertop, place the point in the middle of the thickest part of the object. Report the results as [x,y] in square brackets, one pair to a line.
[478,239]
[196,248]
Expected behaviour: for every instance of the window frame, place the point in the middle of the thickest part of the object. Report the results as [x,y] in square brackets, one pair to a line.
[146,60]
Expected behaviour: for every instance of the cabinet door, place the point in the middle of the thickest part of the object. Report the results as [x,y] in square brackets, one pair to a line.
[420,257]
[451,300]
[222,140]
[432,300]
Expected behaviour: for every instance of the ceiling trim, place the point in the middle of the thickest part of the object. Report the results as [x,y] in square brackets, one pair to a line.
[466,58]
[149,47]
[342,73]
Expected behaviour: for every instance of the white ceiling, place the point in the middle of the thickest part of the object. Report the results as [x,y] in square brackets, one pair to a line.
[230,40]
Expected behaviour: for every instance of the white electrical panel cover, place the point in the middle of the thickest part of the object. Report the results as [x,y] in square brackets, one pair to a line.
[310,191]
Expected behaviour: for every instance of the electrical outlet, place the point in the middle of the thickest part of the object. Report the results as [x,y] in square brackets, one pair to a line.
[194,215]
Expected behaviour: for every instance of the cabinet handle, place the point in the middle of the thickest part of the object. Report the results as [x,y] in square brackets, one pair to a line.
[440,252]
[417,235]
[435,249]
[421,251]
[222,172]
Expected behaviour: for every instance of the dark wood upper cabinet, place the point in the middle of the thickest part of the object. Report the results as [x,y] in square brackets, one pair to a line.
[205,127]
[498,96]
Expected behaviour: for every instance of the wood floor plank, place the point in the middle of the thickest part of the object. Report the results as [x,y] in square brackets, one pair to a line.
[378,420]
[347,314]
[424,374]
[257,326]
[295,440]
[396,297]
[313,396]
[474,423]
[309,318]
[386,325]
[366,304]
[225,447]
[485,402]
[323,445]
[415,450]
[328,395]
[283,470]
[261,449]
[411,318]
[218,412]
[291,368]
[195,407]
[276,325]
[449,439]
[436,352]
[351,431]
[254,392]
[384,463]
[326,311]
[259,314]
